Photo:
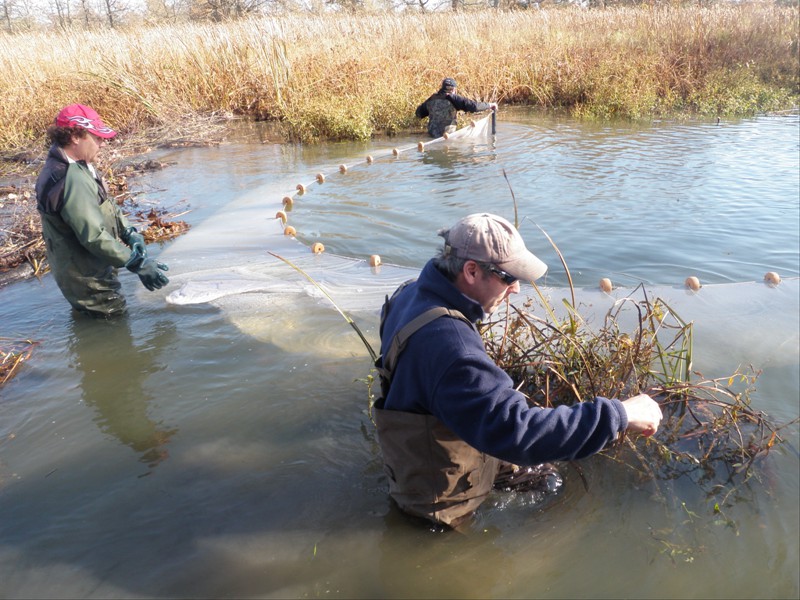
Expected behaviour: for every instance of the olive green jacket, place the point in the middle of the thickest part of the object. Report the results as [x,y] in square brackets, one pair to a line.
[83,229]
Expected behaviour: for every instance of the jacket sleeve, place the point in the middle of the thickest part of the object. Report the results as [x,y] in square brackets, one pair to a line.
[467,105]
[422,110]
[477,401]
[123,225]
[82,213]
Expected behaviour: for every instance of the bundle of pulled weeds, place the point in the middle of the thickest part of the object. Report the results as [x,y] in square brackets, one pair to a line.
[710,433]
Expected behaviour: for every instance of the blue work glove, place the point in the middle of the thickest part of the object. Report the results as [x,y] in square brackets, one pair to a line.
[149,271]
[135,240]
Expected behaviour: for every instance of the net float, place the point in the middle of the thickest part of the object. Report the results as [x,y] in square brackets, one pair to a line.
[605,284]
[317,248]
[374,260]
[693,283]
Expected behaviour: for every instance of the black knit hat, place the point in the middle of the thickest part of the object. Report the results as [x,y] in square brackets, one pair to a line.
[448,82]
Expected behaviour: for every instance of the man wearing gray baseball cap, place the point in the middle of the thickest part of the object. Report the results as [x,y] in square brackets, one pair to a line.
[451,426]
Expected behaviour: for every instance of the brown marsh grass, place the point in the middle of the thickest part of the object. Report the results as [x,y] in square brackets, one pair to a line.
[336,77]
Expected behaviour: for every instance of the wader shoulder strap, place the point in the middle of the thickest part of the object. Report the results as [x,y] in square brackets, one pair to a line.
[401,338]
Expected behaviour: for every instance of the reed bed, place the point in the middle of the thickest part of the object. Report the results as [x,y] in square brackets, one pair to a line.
[336,77]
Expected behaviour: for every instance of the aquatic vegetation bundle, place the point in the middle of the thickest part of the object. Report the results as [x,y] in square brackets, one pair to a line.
[710,432]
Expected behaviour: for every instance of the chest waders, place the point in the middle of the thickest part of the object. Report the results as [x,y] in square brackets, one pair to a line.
[441,116]
[432,472]
[87,281]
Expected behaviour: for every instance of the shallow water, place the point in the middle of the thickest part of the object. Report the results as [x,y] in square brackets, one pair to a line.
[223,448]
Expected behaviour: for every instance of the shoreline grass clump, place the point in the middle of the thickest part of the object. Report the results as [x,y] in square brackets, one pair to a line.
[357,75]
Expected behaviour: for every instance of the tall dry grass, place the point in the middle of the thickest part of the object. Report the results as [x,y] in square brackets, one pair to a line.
[351,76]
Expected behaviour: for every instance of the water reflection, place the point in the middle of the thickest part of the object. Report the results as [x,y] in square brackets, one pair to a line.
[113,375]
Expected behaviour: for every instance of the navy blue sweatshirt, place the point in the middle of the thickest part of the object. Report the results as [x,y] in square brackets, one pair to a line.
[445,371]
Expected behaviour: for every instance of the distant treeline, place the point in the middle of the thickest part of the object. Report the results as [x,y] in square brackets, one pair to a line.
[350,75]
[28,15]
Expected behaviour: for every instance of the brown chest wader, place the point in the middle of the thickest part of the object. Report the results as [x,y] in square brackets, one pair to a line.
[432,472]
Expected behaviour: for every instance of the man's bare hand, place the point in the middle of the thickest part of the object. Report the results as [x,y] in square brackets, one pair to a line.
[644,414]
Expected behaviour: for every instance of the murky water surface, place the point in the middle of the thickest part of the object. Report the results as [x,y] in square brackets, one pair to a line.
[225,450]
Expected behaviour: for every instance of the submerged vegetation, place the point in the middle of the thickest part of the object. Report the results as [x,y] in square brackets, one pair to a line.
[351,76]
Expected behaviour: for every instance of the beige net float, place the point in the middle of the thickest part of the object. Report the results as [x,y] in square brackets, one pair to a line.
[693,283]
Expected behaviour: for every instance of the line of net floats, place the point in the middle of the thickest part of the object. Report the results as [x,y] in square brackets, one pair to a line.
[692,282]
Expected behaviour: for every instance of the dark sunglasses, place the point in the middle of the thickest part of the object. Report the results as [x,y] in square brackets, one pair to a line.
[506,278]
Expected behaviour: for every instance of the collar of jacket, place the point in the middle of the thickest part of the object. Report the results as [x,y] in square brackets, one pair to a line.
[431,281]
